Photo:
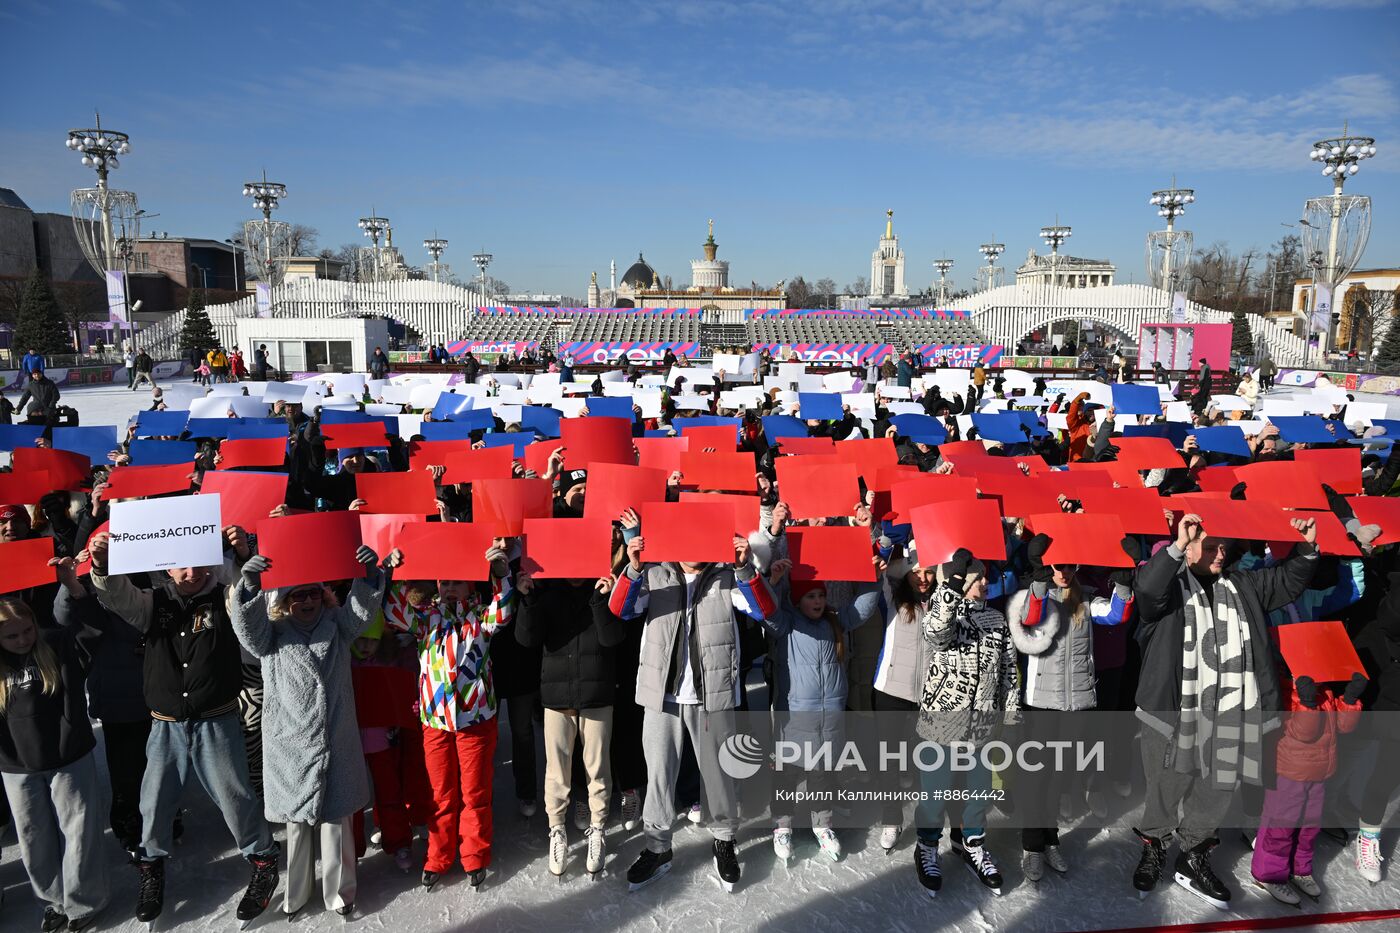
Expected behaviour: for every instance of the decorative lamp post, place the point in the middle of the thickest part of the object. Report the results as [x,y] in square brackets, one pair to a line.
[942,266]
[990,275]
[373,227]
[1169,251]
[1055,237]
[1335,229]
[435,248]
[267,241]
[482,260]
[106,222]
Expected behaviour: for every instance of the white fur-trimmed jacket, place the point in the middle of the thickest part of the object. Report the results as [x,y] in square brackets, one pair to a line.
[971,685]
[1060,653]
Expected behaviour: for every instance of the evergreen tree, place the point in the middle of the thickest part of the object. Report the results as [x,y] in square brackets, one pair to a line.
[1242,340]
[198,333]
[39,324]
[1388,359]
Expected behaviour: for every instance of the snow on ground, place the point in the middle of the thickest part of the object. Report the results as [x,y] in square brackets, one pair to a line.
[867,890]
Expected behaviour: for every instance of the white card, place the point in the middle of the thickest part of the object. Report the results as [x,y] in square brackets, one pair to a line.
[159,534]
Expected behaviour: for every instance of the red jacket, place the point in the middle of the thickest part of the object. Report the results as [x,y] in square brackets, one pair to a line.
[1307,749]
[1080,427]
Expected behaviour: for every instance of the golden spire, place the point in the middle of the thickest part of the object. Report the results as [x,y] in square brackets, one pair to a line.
[889,225]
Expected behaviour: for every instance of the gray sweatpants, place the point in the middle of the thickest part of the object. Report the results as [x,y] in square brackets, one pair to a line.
[59,817]
[662,743]
[1202,806]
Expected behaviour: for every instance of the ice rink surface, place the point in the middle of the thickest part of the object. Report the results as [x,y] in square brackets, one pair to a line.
[867,890]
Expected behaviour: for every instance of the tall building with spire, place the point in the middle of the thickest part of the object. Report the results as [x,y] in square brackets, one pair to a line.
[709,273]
[887,266]
[642,287]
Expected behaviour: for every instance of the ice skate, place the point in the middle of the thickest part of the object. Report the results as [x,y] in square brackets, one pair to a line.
[558,852]
[1033,866]
[1307,885]
[150,898]
[889,837]
[829,843]
[1193,872]
[927,865]
[428,879]
[260,887]
[596,856]
[1055,858]
[726,864]
[782,843]
[631,809]
[476,879]
[1149,867]
[1368,855]
[648,867]
[1283,893]
[980,862]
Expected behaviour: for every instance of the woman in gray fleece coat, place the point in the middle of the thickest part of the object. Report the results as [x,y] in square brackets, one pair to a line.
[314,776]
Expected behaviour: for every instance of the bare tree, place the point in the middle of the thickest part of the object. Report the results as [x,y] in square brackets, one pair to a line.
[1367,314]
[799,293]
[825,291]
[858,287]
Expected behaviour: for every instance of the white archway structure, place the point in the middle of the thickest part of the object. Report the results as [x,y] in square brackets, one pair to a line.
[1009,313]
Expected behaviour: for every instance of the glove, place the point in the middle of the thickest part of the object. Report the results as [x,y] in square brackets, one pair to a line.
[1123,576]
[54,503]
[365,555]
[253,570]
[955,570]
[1307,691]
[1355,687]
[1026,430]
[1035,552]
[1338,504]
[1237,491]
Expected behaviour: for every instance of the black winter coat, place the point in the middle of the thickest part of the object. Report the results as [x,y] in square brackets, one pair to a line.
[40,732]
[578,634]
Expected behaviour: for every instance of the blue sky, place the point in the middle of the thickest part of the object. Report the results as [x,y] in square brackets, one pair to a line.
[560,135]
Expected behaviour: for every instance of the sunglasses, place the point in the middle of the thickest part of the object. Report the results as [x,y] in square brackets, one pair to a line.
[301,596]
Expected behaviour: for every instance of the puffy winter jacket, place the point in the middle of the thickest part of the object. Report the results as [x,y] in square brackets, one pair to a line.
[116,683]
[1059,651]
[1307,749]
[903,663]
[578,634]
[971,682]
[806,672]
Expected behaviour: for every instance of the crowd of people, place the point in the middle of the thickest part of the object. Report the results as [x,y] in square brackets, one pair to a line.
[309,709]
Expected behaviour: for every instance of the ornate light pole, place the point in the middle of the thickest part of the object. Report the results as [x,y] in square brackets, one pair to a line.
[107,222]
[990,275]
[373,227]
[267,242]
[1336,228]
[942,266]
[482,260]
[1169,251]
[1055,237]
[435,248]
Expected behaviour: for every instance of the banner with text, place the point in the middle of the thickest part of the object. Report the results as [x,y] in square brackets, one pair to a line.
[492,347]
[847,354]
[593,351]
[948,354]
[116,296]
[160,534]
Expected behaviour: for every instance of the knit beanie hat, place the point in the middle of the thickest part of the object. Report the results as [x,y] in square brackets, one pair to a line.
[571,478]
[800,588]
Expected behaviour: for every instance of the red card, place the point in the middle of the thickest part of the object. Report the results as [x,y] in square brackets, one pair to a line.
[27,487]
[966,465]
[1020,496]
[964,449]
[568,548]
[1331,537]
[719,436]
[380,531]
[504,504]
[318,547]
[385,696]
[253,452]
[134,482]
[1082,538]
[67,469]
[407,493]
[245,498]
[1232,518]
[433,453]
[1217,479]
[1289,485]
[921,489]
[465,466]
[1339,467]
[355,434]
[660,453]
[943,527]
[831,552]
[26,563]
[445,551]
[888,477]
[1121,473]
[1148,453]
[1320,650]
[1379,510]
[799,446]
[748,512]
[728,471]
[596,440]
[694,532]
[614,488]
[1139,510]
[817,487]
[869,456]
[537,454]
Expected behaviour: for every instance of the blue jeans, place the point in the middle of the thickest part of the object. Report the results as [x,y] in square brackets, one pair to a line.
[213,748]
[928,816]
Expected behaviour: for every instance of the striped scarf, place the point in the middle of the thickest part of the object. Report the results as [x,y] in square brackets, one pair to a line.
[1220,732]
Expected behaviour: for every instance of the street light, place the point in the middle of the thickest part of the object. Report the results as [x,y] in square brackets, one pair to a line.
[482,260]
[259,236]
[374,227]
[106,222]
[990,275]
[1054,237]
[435,248]
[942,265]
[1169,250]
[1346,218]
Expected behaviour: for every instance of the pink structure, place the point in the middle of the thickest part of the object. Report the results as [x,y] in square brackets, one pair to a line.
[1181,346]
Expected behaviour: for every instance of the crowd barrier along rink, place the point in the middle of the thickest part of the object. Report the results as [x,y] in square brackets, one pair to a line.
[1266,923]
[98,374]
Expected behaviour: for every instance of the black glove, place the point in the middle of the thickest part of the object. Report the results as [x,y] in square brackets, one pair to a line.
[1355,687]
[1026,430]
[955,570]
[1035,553]
[365,555]
[1123,576]
[1237,491]
[1307,691]
[1338,504]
